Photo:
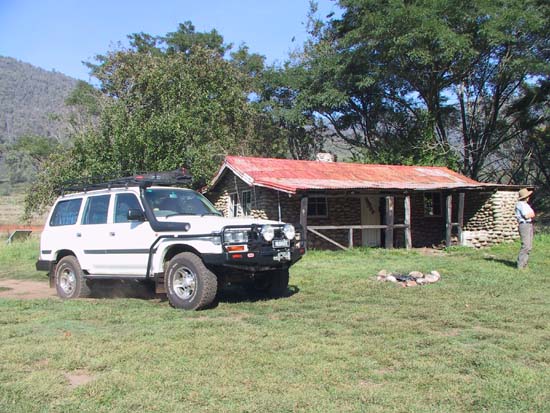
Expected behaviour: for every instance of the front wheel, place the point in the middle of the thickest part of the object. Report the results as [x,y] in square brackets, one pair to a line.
[69,279]
[189,284]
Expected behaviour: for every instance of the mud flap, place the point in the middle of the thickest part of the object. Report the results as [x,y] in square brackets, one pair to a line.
[159,283]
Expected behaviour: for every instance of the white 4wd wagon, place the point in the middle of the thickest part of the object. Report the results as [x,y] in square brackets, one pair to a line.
[147,228]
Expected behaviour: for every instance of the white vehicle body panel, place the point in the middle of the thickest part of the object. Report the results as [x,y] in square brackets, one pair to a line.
[122,249]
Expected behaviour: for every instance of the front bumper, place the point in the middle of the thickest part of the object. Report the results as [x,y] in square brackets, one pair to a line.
[264,259]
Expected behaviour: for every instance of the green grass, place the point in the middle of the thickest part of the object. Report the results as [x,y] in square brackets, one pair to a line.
[477,341]
[17,260]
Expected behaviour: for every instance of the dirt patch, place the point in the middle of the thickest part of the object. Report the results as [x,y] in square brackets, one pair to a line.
[24,289]
[430,251]
[78,378]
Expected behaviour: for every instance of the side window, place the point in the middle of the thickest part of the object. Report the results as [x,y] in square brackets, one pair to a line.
[96,210]
[247,203]
[234,205]
[432,204]
[317,207]
[124,202]
[66,212]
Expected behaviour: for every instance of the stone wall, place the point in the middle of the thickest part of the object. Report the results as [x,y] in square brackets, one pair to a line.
[489,218]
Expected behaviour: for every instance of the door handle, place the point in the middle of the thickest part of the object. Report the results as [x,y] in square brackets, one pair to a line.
[78,234]
[112,234]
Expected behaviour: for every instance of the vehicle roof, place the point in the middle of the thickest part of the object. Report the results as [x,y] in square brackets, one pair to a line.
[105,191]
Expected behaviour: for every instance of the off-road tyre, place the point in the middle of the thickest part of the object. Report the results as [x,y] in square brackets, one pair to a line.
[189,284]
[69,279]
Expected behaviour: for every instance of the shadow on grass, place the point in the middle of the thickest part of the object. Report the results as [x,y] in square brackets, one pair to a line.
[112,289]
[233,294]
[508,263]
[124,289]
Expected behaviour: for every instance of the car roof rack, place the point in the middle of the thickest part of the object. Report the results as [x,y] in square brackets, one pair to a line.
[179,177]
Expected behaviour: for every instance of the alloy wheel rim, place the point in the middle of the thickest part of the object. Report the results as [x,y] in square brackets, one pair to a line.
[185,283]
[67,281]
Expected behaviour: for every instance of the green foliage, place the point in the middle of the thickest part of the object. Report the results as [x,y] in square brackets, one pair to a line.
[375,71]
[24,158]
[163,111]
[85,96]
[277,92]
[185,39]
[530,159]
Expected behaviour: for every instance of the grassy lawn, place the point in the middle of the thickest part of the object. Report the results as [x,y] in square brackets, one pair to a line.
[477,341]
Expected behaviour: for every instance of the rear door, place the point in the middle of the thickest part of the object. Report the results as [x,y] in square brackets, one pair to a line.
[93,234]
[129,241]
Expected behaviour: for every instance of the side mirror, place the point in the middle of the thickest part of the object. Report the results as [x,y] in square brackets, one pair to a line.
[135,215]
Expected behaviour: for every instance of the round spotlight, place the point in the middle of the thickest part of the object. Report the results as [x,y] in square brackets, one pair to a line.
[289,231]
[268,232]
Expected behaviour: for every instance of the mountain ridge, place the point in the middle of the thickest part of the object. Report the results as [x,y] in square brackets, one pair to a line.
[32,100]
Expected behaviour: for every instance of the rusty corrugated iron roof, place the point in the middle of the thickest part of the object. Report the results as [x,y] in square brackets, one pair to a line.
[291,175]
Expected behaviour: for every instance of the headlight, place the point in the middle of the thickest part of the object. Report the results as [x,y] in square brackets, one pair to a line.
[289,231]
[268,232]
[235,237]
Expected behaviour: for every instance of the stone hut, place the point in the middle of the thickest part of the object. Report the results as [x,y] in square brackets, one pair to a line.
[342,205]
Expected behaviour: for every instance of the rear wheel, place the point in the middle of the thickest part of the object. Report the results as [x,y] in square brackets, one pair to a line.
[189,284]
[69,279]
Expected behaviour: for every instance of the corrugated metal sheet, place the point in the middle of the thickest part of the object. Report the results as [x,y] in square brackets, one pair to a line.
[292,176]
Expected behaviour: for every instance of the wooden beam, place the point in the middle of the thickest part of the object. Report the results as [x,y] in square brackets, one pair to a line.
[327,238]
[389,221]
[350,238]
[448,219]
[355,226]
[460,217]
[303,217]
[408,238]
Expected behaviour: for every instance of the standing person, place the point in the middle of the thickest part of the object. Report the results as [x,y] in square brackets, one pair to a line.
[525,216]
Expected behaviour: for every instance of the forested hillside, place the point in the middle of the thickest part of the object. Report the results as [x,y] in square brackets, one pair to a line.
[31,100]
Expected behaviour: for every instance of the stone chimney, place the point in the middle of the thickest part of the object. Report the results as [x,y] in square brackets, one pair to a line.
[325,157]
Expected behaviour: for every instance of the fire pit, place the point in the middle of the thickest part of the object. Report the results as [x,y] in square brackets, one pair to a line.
[411,279]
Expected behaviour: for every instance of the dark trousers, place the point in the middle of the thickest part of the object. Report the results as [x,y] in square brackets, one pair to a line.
[526,234]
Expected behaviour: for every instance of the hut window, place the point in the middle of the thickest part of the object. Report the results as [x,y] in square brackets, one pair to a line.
[247,202]
[234,205]
[317,207]
[432,204]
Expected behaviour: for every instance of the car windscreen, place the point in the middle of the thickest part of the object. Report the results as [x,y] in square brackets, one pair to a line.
[166,202]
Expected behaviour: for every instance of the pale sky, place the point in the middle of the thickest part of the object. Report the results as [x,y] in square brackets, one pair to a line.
[60,34]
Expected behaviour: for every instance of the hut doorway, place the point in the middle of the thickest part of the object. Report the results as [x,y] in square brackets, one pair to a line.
[370,215]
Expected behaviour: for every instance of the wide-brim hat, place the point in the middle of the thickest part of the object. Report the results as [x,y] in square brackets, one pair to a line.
[524,193]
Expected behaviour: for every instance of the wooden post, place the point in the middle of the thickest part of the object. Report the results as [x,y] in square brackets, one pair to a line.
[448,219]
[350,238]
[303,217]
[408,239]
[460,217]
[389,221]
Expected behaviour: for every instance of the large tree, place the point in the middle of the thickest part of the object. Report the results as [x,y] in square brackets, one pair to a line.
[425,74]
[162,107]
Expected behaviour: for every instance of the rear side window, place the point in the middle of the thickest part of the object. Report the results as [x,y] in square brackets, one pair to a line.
[96,210]
[124,202]
[66,212]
